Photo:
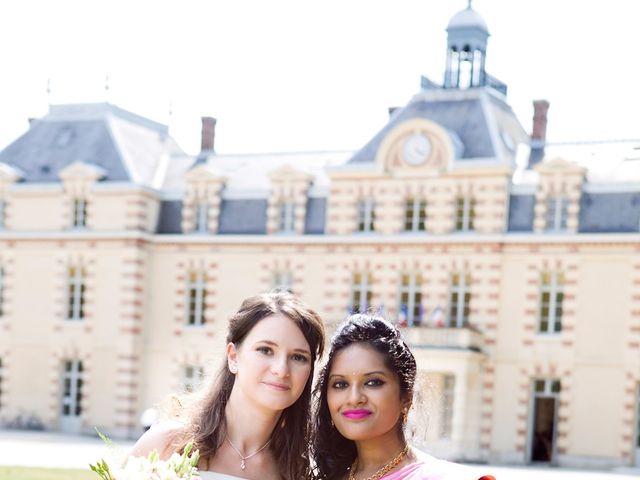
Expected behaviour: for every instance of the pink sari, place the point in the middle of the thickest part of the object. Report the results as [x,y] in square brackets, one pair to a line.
[430,468]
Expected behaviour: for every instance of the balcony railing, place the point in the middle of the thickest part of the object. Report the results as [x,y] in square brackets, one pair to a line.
[444,337]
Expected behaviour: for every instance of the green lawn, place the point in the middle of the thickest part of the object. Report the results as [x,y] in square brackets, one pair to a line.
[27,473]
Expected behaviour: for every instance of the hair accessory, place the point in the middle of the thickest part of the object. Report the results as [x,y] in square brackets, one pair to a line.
[393,463]
[243,463]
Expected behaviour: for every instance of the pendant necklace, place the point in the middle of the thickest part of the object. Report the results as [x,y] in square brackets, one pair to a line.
[243,463]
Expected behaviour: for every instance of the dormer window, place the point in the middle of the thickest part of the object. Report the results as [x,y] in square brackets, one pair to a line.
[366,215]
[465,213]
[79,213]
[202,218]
[286,217]
[557,212]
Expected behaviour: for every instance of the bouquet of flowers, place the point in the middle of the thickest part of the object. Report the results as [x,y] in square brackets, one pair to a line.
[177,467]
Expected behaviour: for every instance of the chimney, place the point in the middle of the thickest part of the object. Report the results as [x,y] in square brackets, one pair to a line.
[539,133]
[208,133]
[540,109]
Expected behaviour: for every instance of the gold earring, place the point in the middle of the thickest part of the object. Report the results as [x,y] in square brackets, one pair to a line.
[405,414]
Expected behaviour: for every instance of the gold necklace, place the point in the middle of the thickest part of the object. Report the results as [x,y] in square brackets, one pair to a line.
[384,469]
[242,462]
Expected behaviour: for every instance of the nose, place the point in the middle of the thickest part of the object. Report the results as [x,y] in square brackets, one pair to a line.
[356,394]
[280,366]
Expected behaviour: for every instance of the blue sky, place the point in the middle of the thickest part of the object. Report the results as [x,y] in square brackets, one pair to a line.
[285,75]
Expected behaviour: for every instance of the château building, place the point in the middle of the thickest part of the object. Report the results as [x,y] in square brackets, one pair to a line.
[512,265]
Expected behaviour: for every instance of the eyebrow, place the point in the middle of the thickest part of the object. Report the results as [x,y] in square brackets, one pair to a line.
[274,344]
[376,372]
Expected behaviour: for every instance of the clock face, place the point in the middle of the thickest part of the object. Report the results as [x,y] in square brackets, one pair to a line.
[416,149]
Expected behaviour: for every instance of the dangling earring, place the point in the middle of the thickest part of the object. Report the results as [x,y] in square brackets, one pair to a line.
[405,414]
[333,425]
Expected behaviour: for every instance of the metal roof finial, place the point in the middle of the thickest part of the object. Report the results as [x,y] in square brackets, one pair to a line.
[469,4]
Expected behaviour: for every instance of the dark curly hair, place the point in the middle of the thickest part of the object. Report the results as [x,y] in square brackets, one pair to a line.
[332,453]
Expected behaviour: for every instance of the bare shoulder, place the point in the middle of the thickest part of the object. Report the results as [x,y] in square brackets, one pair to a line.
[162,437]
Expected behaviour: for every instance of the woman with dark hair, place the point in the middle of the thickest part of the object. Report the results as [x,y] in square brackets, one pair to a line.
[254,422]
[363,397]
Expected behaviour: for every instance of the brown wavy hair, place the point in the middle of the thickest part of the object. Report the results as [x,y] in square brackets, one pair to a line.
[332,453]
[206,421]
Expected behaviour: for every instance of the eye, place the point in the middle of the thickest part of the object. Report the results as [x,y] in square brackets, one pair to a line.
[339,385]
[265,350]
[374,382]
[298,357]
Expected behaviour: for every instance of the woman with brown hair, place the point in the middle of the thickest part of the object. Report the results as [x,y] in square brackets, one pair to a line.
[254,422]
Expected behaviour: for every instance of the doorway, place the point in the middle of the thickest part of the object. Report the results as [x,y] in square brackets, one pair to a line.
[542,432]
[70,421]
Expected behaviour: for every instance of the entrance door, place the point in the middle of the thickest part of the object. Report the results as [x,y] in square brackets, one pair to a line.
[542,435]
[71,396]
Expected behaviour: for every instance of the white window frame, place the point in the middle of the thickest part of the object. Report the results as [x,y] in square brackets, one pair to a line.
[79,213]
[413,290]
[192,376]
[461,289]
[196,289]
[557,214]
[555,291]
[447,402]
[418,208]
[361,291]
[2,281]
[76,288]
[202,218]
[286,217]
[547,391]
[465,213]
[366,216]
[72,370]
[282,280]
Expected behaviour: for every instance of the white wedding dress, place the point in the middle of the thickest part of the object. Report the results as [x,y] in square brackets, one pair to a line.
[217,476]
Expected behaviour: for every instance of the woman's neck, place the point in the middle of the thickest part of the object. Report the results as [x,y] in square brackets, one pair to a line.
[248,426]
[373,454]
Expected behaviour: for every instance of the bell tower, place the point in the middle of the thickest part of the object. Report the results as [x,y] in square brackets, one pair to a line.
[467,36]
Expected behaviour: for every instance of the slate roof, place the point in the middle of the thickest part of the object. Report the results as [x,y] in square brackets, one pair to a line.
[521,213]
[475,117]
[316,214]
[170,217]
[129,148]
[610,212]
[243,217]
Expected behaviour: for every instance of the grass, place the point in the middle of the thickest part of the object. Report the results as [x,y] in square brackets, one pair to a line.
[29,473]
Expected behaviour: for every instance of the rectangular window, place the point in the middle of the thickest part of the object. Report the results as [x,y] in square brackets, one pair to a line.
[551,298]
[72,388]
[556,217]
[2,276]
[411,299]
[361,292]
[415,215]
[193,376]
[366,215]
[76,293]
[447,399]
[459,300]
[465,213]
[282,280]
[196,297]
[286,221]
[79,213]
[1,377]
[202,218]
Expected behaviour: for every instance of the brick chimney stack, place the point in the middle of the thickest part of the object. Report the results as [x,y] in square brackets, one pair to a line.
[208,134]
[540,109]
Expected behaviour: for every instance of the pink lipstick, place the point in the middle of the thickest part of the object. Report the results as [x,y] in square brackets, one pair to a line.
[277,386]
[356,414]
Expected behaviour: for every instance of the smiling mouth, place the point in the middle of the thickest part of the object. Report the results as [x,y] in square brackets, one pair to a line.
[356,414]
[278,386]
